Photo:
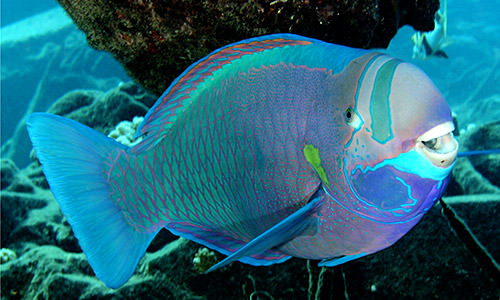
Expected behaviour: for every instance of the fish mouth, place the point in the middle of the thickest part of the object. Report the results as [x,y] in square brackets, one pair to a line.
[438,145]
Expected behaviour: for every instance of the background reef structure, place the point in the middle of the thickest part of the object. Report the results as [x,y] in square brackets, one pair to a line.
[156,40]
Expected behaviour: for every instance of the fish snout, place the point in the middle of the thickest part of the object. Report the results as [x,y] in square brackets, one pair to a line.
[438,145]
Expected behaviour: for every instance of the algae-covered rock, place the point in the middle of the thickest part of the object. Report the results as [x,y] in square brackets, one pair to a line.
[7,172]
[479,173]
[13,180]
[485,137]
[37,274]
[103,111]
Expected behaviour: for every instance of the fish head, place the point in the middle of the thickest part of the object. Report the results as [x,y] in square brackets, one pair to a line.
[400,148]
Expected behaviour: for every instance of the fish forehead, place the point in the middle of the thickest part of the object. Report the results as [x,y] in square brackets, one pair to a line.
[392,93]
[396,103]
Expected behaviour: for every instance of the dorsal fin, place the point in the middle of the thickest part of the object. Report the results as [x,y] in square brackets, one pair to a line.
[178,96]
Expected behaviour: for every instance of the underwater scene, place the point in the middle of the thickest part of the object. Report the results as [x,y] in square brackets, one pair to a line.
[250,149]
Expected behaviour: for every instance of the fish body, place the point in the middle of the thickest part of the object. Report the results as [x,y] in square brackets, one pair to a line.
[268,148]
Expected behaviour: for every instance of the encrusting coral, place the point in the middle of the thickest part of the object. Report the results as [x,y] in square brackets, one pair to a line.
[125,130]
[204,259]
[7,255]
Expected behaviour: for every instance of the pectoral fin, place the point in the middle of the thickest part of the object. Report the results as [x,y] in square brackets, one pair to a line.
[294,225]
[332,262]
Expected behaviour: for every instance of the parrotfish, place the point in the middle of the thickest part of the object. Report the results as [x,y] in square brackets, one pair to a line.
[269,148]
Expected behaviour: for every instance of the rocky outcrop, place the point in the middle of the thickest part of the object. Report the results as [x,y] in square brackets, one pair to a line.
[156,40]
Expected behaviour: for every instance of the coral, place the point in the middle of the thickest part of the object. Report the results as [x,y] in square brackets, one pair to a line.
[478,174]
[124,132]
[7,172]
[478,112]
[7,255]
[102,111]
[12,180]
[156,40]
[204,259]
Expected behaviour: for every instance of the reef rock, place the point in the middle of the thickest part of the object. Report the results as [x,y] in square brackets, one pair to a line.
[103,111]
[156,40]
[478,174]
[8,171]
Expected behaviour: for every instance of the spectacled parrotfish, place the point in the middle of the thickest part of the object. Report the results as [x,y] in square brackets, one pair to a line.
[268,148]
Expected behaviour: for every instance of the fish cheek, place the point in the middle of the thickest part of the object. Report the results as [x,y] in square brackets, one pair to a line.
[388,195]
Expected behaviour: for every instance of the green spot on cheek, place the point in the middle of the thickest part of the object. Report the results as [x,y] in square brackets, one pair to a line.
[312,156]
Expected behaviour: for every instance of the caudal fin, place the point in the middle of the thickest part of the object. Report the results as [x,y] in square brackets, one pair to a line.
[72,157]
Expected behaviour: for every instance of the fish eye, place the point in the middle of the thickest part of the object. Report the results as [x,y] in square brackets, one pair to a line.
[352,118]
[348,114]
[431,144]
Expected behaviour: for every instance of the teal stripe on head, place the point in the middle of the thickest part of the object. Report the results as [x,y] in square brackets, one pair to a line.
[362,78]
[358,88]
[380,109]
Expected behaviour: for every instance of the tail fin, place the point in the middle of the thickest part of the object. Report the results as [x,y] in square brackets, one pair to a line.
[72,157]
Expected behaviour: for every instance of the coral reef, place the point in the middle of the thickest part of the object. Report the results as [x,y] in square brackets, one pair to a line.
[103,111]
[486,108]
[478,174]
[487,165]
[156,40]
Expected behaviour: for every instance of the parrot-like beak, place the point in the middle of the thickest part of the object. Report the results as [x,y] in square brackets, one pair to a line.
[438,145]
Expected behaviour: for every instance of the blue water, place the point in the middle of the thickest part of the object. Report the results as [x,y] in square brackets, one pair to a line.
[468,79]
[44,56]
[13,11]
[472,71]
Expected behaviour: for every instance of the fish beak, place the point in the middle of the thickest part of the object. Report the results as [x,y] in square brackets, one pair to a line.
[438,145]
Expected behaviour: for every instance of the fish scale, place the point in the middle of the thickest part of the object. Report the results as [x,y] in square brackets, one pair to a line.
[231,175]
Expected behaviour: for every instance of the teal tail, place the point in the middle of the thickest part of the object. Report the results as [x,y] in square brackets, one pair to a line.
[72,156]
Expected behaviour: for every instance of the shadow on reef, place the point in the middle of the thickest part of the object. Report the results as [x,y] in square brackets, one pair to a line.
[156,40]
[432,261]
